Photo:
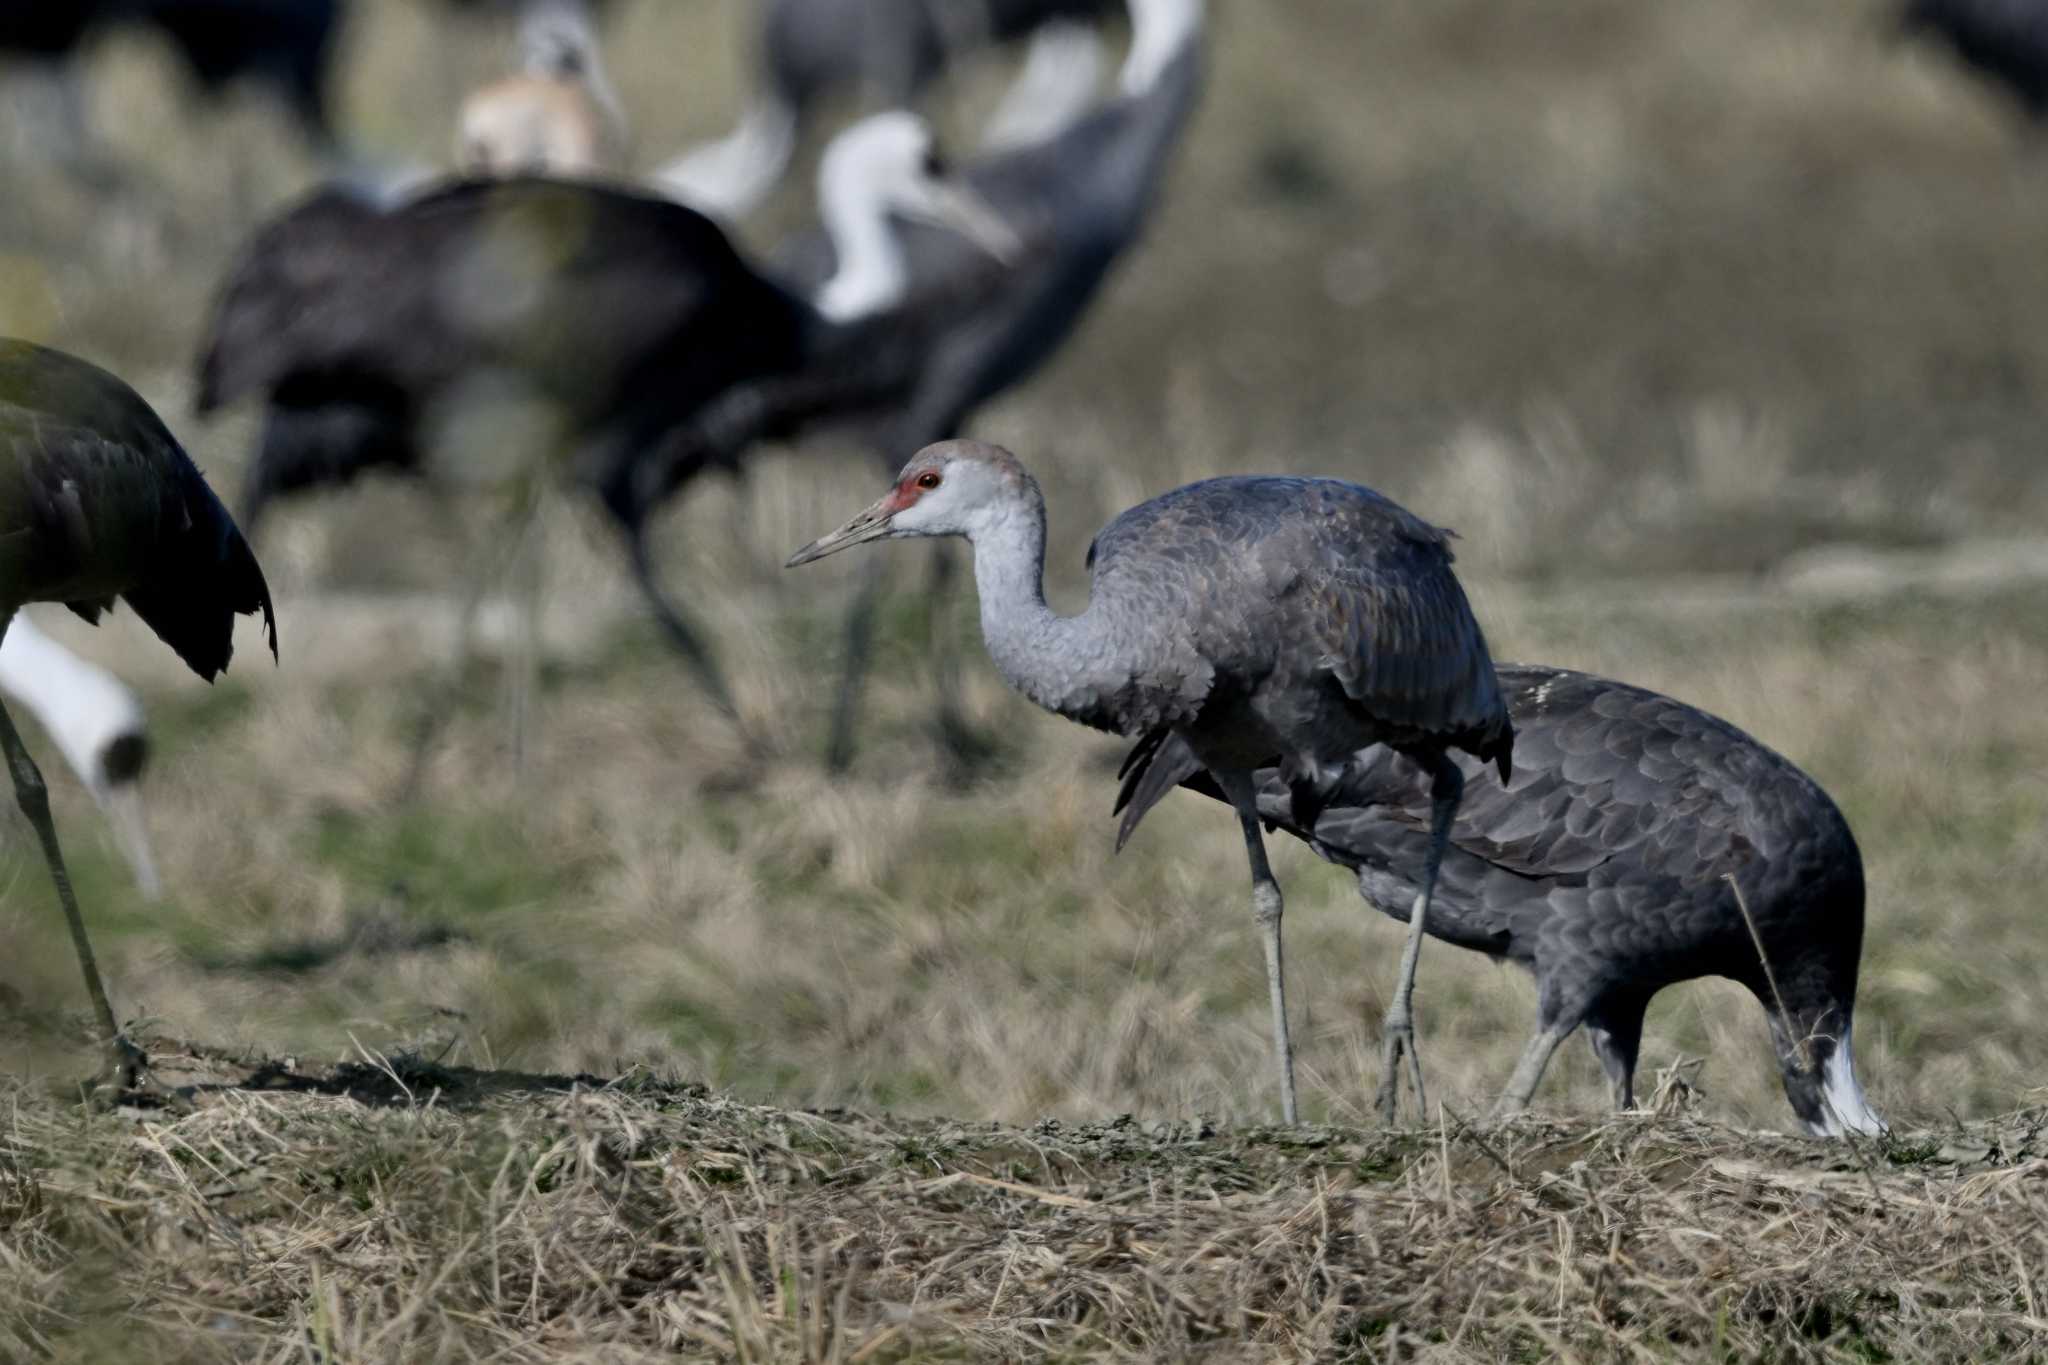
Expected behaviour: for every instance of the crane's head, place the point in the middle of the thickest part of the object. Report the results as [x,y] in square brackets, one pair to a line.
[954,488]
[890,163]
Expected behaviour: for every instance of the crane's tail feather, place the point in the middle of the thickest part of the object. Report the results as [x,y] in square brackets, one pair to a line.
[1160,761]
[208,577]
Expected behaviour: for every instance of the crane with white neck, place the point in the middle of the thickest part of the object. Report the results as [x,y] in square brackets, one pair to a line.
[970,326]
[1259,622]
[380,337]
[813,50]
[96,723]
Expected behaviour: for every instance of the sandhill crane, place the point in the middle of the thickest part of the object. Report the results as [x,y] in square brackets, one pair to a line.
[1603,868]
[890,50]
[95,722]
[1260,622]
[285,46]
[558,115]
[2005,40]
[99,501]
[375,335]
[972,325]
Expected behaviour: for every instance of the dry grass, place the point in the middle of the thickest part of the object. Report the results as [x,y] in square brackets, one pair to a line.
[395,1210]
[1711,328]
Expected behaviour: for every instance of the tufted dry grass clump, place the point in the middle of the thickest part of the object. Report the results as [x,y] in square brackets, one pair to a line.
[393,1209]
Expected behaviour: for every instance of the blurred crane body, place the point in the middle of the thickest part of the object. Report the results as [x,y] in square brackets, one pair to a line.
[2005,40]
[599,320]
[98,502]
[1259,623]
[95,722]
[888,50]
[1602,866]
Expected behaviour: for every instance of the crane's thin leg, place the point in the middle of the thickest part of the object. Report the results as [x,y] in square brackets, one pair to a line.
[485,564]
[522,678]
[1529,1069]
[1615,1029]
[696,654]
[1446,790]
[34,798]
[1266,908]
[964,747]
[860,643]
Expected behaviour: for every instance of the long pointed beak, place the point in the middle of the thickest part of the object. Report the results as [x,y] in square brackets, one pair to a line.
[123,804]
[871,524]
[951,204]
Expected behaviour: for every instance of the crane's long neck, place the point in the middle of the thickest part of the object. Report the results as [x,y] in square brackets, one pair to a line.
[1061,662]
[871,275]
[1160,31]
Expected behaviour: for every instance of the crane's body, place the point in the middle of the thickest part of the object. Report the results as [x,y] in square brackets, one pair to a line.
[95,721]
[1603,868]
[98,502]
[1258,622]
[2005,40]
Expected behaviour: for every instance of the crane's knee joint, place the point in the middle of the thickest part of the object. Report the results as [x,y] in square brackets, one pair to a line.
[29,791]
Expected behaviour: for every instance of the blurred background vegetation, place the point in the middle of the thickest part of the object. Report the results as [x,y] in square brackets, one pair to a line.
[1713,329]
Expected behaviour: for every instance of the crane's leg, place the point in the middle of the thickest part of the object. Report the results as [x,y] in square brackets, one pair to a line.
[29,791]
[522,675]
[1529,1069]
[696,654]
[1615,1029]
[487,561]
[1446,790]
[860,644]
[1266,908]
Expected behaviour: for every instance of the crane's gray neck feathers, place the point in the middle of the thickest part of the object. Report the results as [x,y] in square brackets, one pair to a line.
[1061,662]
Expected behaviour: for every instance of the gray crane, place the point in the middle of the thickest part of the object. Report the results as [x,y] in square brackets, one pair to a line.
[97,502]
[971,326]
[1260,622]
[812,50]
[1641,842]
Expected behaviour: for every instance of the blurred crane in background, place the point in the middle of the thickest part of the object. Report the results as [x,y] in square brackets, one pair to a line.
[2005,40]
[971,326]
[1250,622]
[557,115]
[96,723]
[887,50]
[97,502]
[507,324]
[1604,866]
[287,47]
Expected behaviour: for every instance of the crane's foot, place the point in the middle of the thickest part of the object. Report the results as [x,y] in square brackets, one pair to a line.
[1399,1033]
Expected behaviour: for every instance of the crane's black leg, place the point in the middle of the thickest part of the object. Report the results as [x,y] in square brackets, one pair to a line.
[1446,790]
[696,654]
[860,643]
[1615,1029]
[34,798]
[1266,908]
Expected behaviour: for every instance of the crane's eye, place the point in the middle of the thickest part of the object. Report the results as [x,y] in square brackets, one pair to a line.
[934,164]
[928,480]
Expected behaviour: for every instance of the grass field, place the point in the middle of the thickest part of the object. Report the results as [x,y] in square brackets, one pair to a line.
[1713,330]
